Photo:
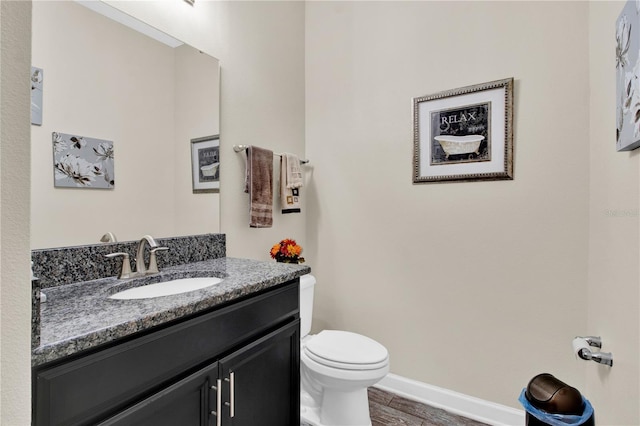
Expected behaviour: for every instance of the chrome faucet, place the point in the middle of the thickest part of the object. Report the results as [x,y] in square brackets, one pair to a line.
[153,263]
[141,268]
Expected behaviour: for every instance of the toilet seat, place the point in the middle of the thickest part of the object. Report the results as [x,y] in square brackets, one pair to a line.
[346,351]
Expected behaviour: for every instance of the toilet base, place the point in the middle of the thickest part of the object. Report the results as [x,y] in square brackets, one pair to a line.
[309,417]
[339,408]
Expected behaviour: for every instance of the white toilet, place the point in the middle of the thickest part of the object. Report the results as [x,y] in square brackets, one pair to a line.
[336,367]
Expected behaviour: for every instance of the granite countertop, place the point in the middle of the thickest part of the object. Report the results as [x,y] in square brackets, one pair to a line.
[81,316]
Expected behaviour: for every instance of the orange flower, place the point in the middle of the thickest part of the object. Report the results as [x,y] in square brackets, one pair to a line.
[294,250]
[286,249]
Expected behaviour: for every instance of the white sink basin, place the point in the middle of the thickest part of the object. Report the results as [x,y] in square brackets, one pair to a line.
[166,288]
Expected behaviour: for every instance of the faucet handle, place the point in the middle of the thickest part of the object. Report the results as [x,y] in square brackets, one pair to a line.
[109,237]
[153,263]
[125,271]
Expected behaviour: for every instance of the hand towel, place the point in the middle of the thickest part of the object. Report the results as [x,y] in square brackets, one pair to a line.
[290,183]
[294,172]
[259,185]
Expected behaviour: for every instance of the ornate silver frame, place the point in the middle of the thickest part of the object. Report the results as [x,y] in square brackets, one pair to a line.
[422,134]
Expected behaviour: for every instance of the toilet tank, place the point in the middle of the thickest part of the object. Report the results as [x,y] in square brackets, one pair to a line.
[307,284]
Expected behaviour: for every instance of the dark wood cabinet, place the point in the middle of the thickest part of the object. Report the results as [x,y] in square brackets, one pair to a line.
[261,381]
[170,376]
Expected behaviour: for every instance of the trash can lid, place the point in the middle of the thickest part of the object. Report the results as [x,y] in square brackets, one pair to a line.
[548,393]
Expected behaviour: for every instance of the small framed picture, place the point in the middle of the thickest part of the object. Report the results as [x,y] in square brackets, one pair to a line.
[205,164]
[464,134]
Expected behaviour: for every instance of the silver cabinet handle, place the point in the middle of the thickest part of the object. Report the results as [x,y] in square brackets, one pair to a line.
[232,392]
[218,389]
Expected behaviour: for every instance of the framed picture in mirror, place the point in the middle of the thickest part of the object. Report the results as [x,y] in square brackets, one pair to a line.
[464,134]
[205,164]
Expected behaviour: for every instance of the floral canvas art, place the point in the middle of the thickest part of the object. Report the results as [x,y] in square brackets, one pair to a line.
[627,75]
[82,162]
[37,78]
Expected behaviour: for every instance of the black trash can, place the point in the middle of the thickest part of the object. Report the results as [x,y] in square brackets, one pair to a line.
[549,401]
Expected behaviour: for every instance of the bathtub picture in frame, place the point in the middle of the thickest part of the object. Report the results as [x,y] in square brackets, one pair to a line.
[464,134]
[205,164]
[461,135]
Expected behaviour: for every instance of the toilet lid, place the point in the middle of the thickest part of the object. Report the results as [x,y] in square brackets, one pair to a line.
[343,349]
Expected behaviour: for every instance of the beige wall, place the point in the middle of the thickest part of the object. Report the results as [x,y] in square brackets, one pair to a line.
[614,245]
[124,88]
[15,291]
[474,287]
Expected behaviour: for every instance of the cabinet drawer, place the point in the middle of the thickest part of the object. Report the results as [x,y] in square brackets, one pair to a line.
[185,403]
[89,388]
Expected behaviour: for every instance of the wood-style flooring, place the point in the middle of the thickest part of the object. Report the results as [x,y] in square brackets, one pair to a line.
[388,409]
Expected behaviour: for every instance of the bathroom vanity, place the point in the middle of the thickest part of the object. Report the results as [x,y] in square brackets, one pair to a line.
[223,355]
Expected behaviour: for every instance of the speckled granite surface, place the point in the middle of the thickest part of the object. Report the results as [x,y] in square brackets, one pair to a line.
[66,265]
[35,313]
[81,316]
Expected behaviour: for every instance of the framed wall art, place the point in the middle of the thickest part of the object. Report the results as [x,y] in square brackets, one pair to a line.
[37,79]
[627,75]
[82,162]
[464,134]
[205,164]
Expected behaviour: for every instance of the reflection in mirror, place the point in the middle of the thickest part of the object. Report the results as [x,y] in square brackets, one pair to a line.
[106,81]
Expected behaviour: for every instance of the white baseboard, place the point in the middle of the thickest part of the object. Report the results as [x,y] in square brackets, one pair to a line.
[453,402]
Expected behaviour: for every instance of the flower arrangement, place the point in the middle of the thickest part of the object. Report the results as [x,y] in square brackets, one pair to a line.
[287,251]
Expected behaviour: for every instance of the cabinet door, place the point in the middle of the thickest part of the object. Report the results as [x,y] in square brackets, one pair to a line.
[188,402]
[261,381]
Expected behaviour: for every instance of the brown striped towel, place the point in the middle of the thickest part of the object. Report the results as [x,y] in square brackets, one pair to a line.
[259,186]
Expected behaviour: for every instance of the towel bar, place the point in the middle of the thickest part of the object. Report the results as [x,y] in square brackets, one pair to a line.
[240,148]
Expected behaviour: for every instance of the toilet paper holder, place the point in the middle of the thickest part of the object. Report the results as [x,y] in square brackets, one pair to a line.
[581,348]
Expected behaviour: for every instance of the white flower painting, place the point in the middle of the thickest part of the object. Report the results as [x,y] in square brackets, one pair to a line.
[82,162]
[627,77]
[37,78]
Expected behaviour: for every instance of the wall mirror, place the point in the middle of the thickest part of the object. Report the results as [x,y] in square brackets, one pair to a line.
[102,80]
